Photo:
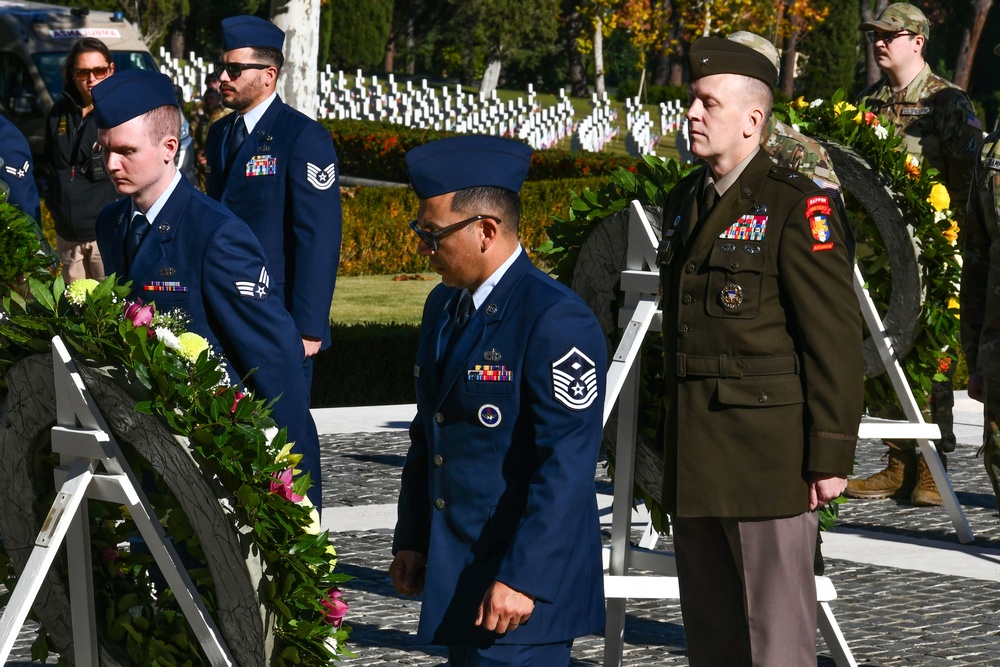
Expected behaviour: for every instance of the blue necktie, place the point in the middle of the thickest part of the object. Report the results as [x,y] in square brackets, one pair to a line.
[236,138]
[137,228]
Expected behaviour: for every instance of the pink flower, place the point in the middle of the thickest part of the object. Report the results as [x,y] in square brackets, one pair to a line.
[283,486]
[140,315]
[238,396]
[109,555]
[336,608]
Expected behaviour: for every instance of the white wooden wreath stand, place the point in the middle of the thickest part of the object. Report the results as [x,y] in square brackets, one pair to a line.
[641,314]
[92,466]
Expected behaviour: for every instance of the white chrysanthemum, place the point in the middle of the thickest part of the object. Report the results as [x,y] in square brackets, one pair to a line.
[167,337]
[815,103]
[881,132]
[940,215]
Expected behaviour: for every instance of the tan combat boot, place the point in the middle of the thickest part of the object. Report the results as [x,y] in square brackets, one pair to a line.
[896,481]
[926,493]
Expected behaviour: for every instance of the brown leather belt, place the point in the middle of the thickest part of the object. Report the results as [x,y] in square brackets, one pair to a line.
[724,366]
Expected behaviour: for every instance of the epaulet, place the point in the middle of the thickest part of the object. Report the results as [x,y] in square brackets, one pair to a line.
[794,179]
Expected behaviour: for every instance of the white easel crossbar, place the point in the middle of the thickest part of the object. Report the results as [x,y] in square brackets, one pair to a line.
[92,466]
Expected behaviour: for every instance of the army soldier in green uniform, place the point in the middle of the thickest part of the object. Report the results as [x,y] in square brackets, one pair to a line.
[762,395]
[939,127]
[980,300]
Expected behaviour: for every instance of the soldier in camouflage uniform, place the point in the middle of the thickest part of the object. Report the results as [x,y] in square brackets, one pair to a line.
[939,127]
[791,149]
[981,299]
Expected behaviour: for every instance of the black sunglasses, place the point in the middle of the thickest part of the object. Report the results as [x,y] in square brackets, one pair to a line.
[235,69]
[432,239]
[887,37]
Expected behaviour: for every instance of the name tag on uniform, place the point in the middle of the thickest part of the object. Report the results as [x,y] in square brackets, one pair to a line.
[491,374]
[916,111]
[992,163]
[262,165]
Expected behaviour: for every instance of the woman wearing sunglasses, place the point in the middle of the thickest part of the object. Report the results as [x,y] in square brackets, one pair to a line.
[77,185]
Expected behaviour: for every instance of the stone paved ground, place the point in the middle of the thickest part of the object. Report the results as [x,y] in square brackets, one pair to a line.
[891,617]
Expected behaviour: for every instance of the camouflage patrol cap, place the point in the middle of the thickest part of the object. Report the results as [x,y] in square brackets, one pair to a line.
[715,55]
[898,17]
[762,46]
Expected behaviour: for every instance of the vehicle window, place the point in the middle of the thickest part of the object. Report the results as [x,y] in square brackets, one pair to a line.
[15,79]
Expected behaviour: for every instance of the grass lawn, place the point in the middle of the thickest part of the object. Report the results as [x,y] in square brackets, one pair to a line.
[381,299]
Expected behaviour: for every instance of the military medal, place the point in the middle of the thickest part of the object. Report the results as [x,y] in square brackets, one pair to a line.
[731,296]
[491,355]
[489,416]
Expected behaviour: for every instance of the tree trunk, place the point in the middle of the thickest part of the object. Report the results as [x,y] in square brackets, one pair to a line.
[970,41]
[490,77]
[661,69]
[577,70]
[599,57]
[177,44]
[868,13]
[297,82]
[787,78]
[390,54]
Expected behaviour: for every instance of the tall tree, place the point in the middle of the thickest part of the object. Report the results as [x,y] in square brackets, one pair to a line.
[795,18]
[971,33]
[300,21]
[359,34]
[833,53]
[573,28]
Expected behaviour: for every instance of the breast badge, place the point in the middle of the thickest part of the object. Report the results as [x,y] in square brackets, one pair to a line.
[731,296]
[490,374]
[489,416]
[574,380]
[262,165]
[749,227]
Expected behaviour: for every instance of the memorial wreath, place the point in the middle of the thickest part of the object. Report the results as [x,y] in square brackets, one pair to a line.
[921,210]
[172,377]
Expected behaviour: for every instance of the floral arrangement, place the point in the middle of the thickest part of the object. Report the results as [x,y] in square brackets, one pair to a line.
[925,203]
[230,434]
[926,206]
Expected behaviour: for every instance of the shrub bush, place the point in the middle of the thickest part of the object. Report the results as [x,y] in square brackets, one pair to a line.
[378,240]
[651,94]
[356,370]
[367,149]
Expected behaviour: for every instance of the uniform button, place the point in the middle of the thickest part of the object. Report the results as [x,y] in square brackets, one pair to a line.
[689,268]
[438,460]
[440,503]
[438,417]
[683,329]
[762,398]
[734,265]
[687,298]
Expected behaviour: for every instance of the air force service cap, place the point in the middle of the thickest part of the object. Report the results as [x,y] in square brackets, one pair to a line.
[130,93]
[715,55]
[468,161]
[243,31]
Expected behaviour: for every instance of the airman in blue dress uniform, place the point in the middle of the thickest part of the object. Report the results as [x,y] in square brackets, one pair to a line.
[277,170]
[16,170]
[190,252]
[497,512]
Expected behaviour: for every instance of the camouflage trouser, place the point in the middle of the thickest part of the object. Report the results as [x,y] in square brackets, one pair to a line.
[991,435]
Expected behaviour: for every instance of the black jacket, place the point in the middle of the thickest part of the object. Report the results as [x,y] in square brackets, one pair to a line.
[77,186]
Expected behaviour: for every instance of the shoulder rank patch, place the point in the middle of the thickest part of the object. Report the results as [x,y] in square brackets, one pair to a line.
[18,172]
[256,290]
[574,380]
[321,178]
[748,228]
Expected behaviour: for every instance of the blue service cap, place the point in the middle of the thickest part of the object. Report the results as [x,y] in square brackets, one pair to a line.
[468,161]
[130,93]
[242,31]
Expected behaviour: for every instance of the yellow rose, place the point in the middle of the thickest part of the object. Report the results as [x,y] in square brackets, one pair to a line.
[78,290]
[860,117]
[800,103]
[841,107]
[952,232]
[190,345]
[939,197]
[954,306]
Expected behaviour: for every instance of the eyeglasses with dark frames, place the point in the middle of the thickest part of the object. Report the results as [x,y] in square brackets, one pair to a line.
[98,72]
[234,70]
[887,37]
[433,239]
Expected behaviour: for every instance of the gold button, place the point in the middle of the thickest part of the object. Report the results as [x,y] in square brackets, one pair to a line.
[440,503]
[438,417]
[762,398]
[687,298]
[438,460]
[689,268]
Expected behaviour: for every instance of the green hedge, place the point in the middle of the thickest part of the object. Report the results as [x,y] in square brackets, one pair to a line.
[378,240]
[367,149]
[357,370]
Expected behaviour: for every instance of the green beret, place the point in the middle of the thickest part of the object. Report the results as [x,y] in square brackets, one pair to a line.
[715,55]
